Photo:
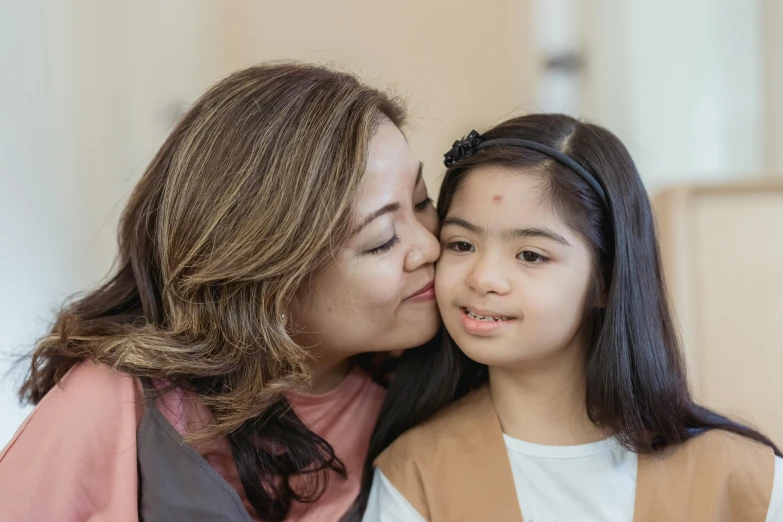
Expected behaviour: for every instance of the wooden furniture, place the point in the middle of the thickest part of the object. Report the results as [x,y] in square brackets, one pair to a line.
[722,250]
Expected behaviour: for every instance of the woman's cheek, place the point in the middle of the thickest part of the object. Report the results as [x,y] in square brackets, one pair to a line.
[377,286]
[388,288]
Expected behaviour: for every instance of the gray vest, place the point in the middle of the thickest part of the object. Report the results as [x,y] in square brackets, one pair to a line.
[176,484]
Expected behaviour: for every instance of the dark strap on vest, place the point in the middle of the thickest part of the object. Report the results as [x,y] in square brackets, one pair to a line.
[176,484]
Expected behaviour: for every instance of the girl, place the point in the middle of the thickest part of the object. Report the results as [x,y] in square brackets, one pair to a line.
[282,229]
[577,405]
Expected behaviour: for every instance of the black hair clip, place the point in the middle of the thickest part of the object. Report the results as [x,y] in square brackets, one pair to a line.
[462,149]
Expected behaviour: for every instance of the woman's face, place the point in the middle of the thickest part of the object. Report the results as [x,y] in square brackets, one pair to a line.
[378,293]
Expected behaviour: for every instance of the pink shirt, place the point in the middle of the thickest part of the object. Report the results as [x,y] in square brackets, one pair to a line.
[74,457]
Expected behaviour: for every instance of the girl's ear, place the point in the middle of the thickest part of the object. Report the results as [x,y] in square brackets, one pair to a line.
[600,295]
[601,298]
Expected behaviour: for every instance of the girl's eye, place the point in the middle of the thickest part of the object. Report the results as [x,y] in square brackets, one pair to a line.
[532,257]
[386,246]
[424,205]
[460,246]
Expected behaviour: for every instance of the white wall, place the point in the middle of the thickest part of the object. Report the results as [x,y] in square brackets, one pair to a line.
[44,226]
[90,89]
[681,82]
[557,36]
[773,74]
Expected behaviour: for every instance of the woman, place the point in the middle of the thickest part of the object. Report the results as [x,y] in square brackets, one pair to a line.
[282,229]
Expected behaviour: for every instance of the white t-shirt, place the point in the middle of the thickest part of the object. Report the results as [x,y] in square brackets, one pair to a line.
[587,483]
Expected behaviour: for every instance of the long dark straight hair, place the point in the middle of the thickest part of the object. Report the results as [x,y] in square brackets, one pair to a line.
[636,380]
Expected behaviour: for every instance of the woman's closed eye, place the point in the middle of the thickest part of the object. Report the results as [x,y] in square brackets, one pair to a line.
[424,205]
[386,247]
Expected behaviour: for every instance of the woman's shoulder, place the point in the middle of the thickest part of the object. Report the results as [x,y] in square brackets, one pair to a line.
[90,402]
[88,396]
[97,391]
[76,451]
[97,383]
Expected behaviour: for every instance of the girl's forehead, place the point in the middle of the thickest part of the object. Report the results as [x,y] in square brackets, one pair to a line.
[500,186]
[501,198]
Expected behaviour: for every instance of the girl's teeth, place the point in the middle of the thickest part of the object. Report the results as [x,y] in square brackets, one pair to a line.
[484,318]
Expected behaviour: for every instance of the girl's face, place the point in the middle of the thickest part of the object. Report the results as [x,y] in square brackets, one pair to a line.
[512,277]
[378,294]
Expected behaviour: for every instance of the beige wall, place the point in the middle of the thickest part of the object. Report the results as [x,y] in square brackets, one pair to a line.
[129,69]
[460,64]
[93,87]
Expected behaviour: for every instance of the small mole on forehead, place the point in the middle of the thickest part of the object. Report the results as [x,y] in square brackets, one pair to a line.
[497,197]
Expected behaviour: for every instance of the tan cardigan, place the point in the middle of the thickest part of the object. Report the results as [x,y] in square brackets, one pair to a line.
[455,468]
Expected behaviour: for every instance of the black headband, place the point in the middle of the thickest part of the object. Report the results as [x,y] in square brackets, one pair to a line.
[467,146]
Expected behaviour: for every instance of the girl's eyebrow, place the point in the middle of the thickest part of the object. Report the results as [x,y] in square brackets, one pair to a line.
[509,234]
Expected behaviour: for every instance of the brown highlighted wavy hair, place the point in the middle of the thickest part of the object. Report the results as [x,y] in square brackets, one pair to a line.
[245,200]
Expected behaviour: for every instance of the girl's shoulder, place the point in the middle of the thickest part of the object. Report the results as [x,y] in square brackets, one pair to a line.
[444,465]
[716,475]
[717,450]
[457,427]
